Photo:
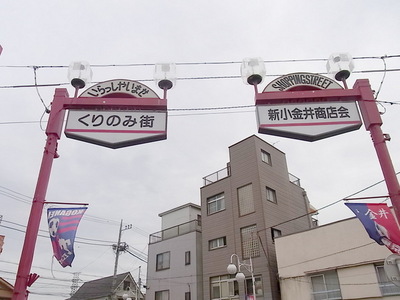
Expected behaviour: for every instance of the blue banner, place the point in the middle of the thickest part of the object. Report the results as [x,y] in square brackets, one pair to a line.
[63,223]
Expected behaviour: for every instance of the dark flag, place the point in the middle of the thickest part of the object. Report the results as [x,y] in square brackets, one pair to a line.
[63,223]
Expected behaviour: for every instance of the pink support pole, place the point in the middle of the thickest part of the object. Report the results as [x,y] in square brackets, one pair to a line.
[53,131]
[32,229]
[373,122]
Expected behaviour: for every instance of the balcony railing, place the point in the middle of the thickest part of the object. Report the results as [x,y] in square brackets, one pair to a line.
[225,172]
[220,174]
[293,179]
[175,231]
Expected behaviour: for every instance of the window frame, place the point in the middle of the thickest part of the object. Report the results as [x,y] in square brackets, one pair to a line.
[126,285]
[160,262]
[317,294]
[248,286]
[187,258]
[275,233]
[219,245]
[162,295]
[218,200]
[224,283]
[386,287]
[266,157]
[245,204]
[188,296]
[270,191]
[250,246]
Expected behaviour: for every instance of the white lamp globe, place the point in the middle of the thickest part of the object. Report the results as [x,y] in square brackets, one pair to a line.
[240,277]
[231,269]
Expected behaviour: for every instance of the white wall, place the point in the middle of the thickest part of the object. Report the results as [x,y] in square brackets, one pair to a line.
[344,246]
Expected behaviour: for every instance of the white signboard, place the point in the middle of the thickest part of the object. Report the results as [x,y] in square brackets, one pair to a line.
[116,128]
[308,121]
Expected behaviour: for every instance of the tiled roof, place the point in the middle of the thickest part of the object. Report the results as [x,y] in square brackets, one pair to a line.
[98,288]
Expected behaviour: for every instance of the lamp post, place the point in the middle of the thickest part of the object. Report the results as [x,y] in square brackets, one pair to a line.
[79,74]
[240,277]
[24,279]
[340,66]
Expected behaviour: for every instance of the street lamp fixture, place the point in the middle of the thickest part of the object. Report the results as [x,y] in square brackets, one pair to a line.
[165,76]
[240,277]
[340,65]
[79,74]
[252,71]
[126,297]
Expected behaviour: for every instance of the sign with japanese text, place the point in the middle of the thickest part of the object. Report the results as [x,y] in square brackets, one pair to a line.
[379,222]
[303,118]
[63,223]
[130,114]
[119,87]
[308,121]
[116,129]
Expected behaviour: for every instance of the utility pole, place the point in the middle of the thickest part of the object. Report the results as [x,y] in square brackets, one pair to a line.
[118,248]
[138,284]
[75,283]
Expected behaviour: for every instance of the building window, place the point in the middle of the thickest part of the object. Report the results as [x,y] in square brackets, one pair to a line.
[245,198]
[266,157]
[187,296]
[271,195]
[187,258]
[250,244]
[325,286]
[215,203]
[257,285]
[224,287]
[127,285]
[162,295]
[386,286]
[217,243]
[162,261]
[275,233]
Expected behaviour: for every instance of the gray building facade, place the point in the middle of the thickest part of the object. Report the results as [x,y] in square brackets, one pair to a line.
[244,207]
[174,269]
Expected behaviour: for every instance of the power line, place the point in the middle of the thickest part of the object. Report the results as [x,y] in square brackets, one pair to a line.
[201,63]
[188,78]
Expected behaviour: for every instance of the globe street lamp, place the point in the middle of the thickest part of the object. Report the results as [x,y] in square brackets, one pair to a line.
[165,76]
[252,71]
[79,74]
[126,297]
[240,277]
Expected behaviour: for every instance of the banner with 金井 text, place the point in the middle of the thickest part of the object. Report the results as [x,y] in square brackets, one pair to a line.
[379,222]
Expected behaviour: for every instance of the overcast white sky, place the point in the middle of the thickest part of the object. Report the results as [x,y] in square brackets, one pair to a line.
[137,183]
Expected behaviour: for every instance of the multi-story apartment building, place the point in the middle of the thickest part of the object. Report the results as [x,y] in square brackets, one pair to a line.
[174,269]
[244,207]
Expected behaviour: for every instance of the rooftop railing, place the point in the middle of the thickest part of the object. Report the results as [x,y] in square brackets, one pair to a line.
[294,179]
[213,177]
[175,231]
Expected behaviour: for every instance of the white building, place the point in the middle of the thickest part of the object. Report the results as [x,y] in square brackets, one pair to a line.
[174,268]
[334,261]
